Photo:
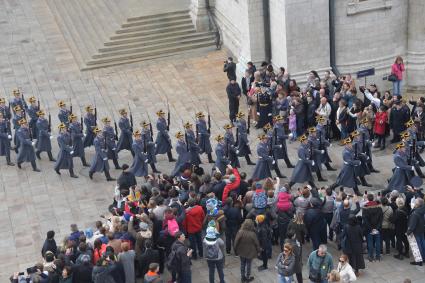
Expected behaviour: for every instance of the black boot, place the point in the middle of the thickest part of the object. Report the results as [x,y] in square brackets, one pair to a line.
[210,159]
[248,160]
[356,191]
[312,184]
[154,168]
[108,176]
[170,156]
[9,162]
[291,184]
[91,175]
[333,186]
[117,166]
[373,170]
[364,182]
[57,171]
[319,176]
[277,170]
[288,162]
[419,171]
[71,173]
[37,153]
[50,155]
[19,165]
[34,167]
[329,167]
[83,160]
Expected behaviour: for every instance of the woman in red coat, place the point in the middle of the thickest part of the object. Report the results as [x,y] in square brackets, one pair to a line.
[381,120]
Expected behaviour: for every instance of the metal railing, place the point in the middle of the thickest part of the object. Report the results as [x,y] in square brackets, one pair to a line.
[214,26]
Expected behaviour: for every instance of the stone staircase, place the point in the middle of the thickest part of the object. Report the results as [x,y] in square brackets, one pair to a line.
[100,34]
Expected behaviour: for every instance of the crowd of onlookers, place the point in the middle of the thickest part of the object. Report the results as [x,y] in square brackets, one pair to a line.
[165,223]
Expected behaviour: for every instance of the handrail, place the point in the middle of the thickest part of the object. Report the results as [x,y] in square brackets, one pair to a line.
[214,26]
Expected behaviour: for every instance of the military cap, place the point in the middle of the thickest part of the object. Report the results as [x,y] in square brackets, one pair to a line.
[400,145]
[40,113]
[144,124]
[347,141]
[320,119]
[404,135]
[16,92]
[2,100]
[61,126]
[160,112]
[122,111]
[364,121]
[262,137]
[96,130]
[106,120]
[187,125]
[137,133]
[267,127]
[61,103]
[219,138]
[17,108]
[410,123]
[354,134]
[240,114]
[199,115]
[22,121]
[32,99]
[278,118]
[179,135]
[89,108]
[227,126]
[302,138]
[312,130]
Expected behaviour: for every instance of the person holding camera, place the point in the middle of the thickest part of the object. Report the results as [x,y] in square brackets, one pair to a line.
[230,69]
[233,94]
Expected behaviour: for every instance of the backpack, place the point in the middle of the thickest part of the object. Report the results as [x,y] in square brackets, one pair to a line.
[213,252]
[260,199]
[172,261]
[283,201]
[172,227]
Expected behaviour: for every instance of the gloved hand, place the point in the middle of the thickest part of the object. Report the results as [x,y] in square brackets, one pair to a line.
[273,162]
[322,151]
[72,152]
[147,160]
[51,137]
[312,163]
[106,158]
[114,148]
[280,146]
[413,168]
[33,143]
[237,151]
[9,137]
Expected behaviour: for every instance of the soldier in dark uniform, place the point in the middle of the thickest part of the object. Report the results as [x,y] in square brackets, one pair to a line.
[243,148]
[303,170]
[90,123]
[149,145]
[230,148]
[265,161]
[32,116]
[367,146]
[19,115]
[221,161]
[64,160]
[5,138]
[280,136]
[26,150]
[203,136]
[43,143]
[18,101]
[324,143]
[274,147]
[5,110]
[77,139]
[411,139]
[163,141]
[125,140]
[100,159]
[403,171]
[109,136]
[140,159]
[264,108]
[363,169]
[347,176]
[195,160]
[317,153]
[64,113]
[184,156]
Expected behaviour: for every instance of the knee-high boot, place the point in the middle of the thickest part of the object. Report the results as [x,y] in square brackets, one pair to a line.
[170,156]
[277,170]
[117,166]
[210,159]
[108,176]
[248,160]
[50,155]
[71,173]
[319,176]
[34,166]
[364,182]
[154,168]
[8,160]
[83,160]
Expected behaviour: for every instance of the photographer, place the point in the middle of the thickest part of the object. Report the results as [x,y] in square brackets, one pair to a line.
[233,94]
[230,69]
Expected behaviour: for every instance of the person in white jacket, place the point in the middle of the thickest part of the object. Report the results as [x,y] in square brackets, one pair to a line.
[345,270]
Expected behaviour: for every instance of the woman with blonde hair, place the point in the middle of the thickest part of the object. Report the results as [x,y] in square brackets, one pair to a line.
[297,227]
[285,264]
[345,270]
[334,276]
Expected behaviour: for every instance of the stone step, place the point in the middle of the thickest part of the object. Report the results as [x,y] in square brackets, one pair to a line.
[162,35]
[156,40]
[153,31]
[85,20]
[156,25]
[139,55]
[157,16]
[148,58]
[153,20]
[162,45]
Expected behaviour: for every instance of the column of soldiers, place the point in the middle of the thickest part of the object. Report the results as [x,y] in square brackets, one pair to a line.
[33,135]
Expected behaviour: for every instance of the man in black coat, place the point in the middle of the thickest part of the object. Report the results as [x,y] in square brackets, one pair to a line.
[416,227]
[147,257]
[230,69]
[233,94]
[50,244]
[126,179]
[398,117]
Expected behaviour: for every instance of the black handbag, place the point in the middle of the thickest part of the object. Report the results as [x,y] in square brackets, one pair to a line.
[392,78]
[316,275]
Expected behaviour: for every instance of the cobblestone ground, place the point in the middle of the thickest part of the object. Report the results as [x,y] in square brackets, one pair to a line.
[34,56]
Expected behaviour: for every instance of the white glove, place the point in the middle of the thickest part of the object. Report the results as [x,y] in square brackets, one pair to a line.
[51,137]
[33,143]
[84,135]
[312,163]
[290,135]
[413,168]
[72,152]
[330,144]
[9,137]
[280,146]
[114,148]
[322,151]
[106,158]
[237,151]
[147,160]
[273,162]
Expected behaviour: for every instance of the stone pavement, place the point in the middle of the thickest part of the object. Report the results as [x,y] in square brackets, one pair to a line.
[35,57]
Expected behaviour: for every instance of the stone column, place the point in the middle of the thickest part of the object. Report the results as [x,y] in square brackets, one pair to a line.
[199,15]
[416,45]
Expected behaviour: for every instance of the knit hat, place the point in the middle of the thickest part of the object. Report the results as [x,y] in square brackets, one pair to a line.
[258,185]
[232,178]
[211,223]
[260,218]
[89,233]
[211,235]
[211,206]
[85,258]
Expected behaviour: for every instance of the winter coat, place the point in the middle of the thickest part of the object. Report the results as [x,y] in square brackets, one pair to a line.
[183,259]
[194,219]
[232,186]
[372,216]
[381,120]
[416,221]
[99,161]
[127,260]
[246,244]
[64,159]
[387,215]
[346,273]
[398,69]
[77,138]
[285,266]
[43,136]
[400,221]
[203,137]
[163,141]
[125,140]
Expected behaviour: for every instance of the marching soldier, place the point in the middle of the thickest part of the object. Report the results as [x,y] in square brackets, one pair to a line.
[243,148]
[411,140]
[367,146]
[5,110]
[281,152]
[125,140]
[149,145]
[64,160]
[5,138]
[317,153]
[77,137]
[90,123]
[33,117]
[19,115]
[264,162]
[64,113]
[140,159]
[163,141]
[347,175]
[402,173]
[100,159]
[324,143]
[195,160]
[17,100]
[221,161]
[303,170]
[363,169]
[43,142]
[109,136]
[184,156]
[230,148]
[203,136]
[273,146]
[26,150]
